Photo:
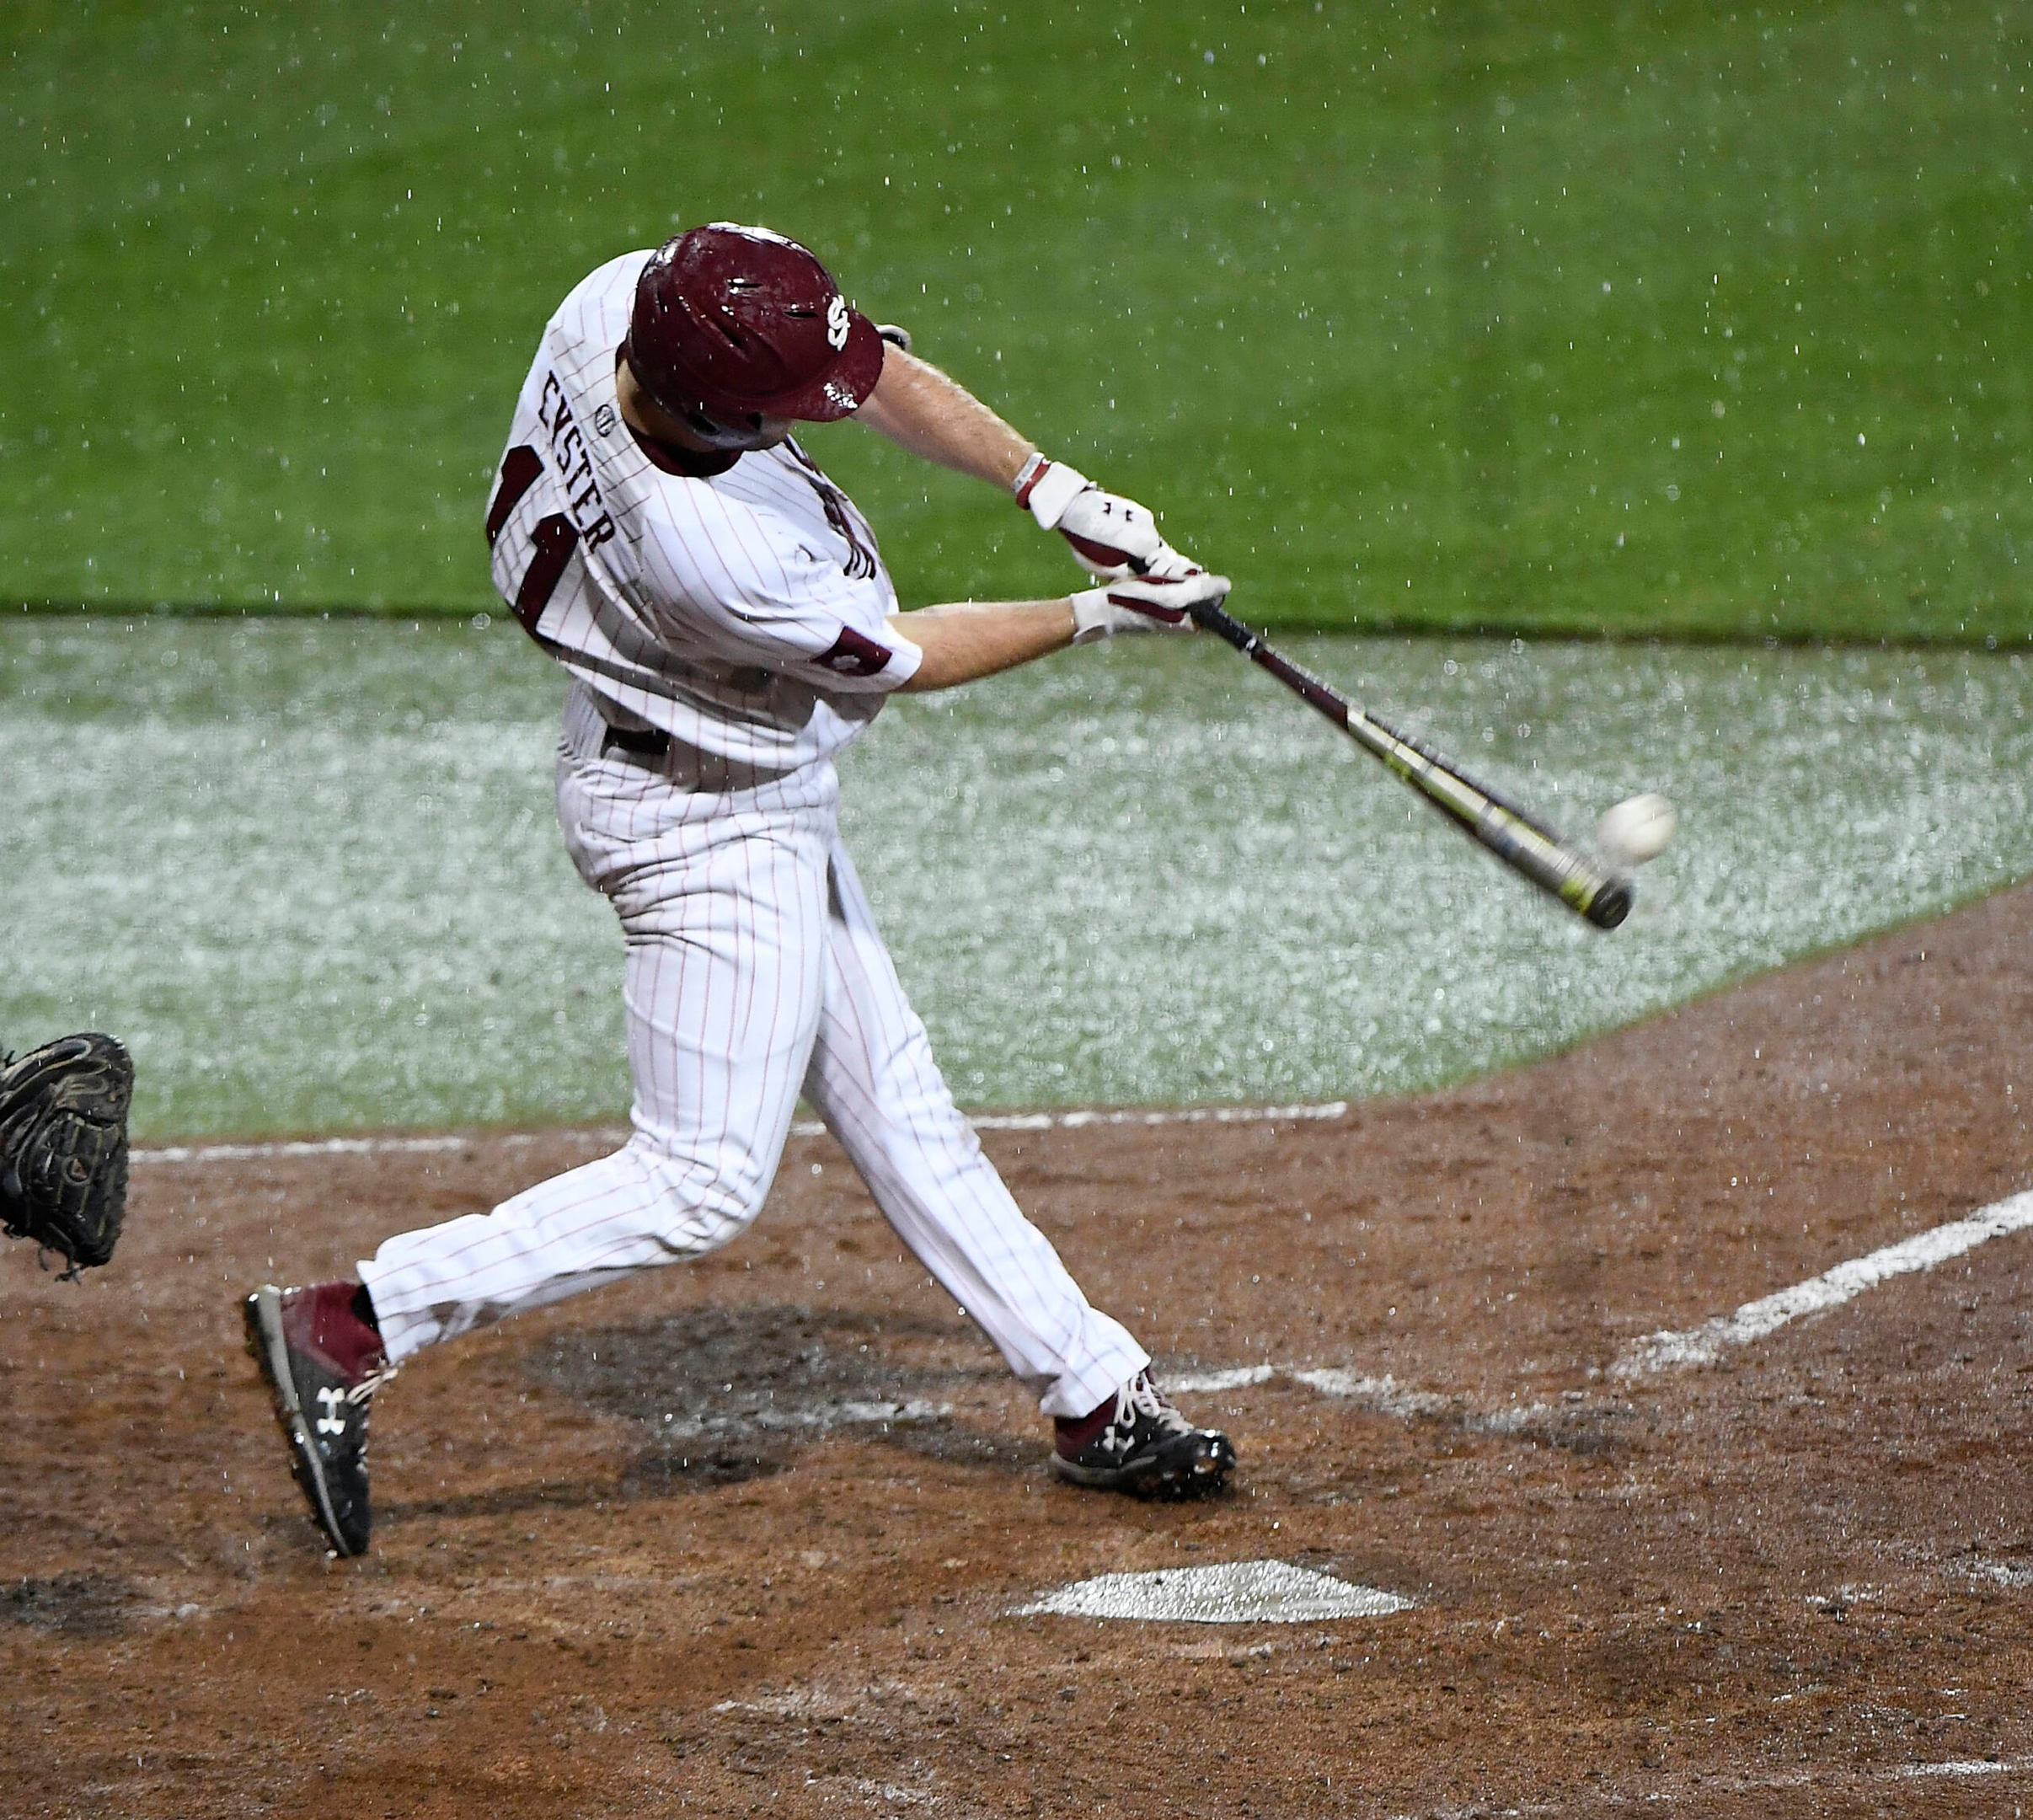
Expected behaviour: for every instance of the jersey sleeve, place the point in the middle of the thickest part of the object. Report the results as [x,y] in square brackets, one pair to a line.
[736,580]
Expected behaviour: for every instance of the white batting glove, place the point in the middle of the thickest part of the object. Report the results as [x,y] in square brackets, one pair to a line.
[1170,564]
[1145,603]
[1110,536]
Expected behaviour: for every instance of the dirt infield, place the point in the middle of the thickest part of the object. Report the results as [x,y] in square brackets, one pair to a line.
[743,1538]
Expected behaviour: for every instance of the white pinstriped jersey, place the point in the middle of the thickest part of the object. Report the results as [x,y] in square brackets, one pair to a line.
[745,614]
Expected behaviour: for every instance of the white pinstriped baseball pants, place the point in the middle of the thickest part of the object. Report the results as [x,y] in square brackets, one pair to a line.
[754,970]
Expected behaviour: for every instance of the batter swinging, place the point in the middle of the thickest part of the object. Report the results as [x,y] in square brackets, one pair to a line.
[729,628]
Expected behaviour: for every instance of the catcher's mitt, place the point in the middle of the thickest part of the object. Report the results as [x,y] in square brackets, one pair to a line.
[63,1147]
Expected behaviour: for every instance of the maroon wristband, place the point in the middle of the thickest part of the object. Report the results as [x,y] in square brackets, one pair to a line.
[1028,477]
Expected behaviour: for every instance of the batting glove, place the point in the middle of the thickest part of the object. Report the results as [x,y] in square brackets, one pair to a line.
[1110,536]
[1145,603]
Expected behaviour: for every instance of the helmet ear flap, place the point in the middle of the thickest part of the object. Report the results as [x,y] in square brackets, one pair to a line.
[741,437]
[654,386]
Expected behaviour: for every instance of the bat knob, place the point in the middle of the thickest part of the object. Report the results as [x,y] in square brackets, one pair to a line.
[1611,904]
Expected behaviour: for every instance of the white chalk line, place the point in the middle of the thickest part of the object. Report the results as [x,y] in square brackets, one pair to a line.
[1833,1776]
[1712,1782]
[1971,1766]
[991,1121]
[1654,1352]
[240,1153]
[1388,1397]
[1704,1344]
[848,1413]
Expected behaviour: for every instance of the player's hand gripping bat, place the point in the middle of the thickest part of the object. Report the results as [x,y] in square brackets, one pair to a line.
[1521,840]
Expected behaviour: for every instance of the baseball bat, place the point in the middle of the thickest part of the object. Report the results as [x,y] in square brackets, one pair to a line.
[1525,842]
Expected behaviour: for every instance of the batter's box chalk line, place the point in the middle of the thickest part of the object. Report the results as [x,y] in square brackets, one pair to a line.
[1388,1397]
[1657,1351]
[823,1416]
[1705,1344]
[1251,1592]
[1077,1120]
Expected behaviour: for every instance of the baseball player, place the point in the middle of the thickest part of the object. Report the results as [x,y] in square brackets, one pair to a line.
[729,628]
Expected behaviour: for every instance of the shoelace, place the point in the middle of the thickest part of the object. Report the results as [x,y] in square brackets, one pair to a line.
[1139,1397]
[1145,1398]
[375,1378]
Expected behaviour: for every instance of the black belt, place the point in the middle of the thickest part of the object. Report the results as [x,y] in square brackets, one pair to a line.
[650,742]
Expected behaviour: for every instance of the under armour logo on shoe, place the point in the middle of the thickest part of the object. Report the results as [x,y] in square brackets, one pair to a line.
[332,1422]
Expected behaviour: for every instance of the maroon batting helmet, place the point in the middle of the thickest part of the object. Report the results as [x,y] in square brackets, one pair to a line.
[738,322]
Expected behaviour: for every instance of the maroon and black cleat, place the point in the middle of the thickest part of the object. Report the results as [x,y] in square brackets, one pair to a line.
[1137,1442]
[322,1357]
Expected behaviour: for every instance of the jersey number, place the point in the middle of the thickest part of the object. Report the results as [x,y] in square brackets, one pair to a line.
[551,543]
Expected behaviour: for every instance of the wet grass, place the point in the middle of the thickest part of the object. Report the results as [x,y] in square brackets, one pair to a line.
[1540,318]
[311,871]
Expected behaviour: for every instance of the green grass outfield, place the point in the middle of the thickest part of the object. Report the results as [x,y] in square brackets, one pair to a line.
[1639,319]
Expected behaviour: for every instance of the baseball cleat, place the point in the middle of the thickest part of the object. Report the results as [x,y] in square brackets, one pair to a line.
[322,1362]
[1140,1443]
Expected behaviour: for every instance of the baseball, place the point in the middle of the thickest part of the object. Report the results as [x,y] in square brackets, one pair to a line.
[1637,830]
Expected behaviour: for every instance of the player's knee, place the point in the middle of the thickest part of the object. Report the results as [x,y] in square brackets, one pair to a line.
[701,1202]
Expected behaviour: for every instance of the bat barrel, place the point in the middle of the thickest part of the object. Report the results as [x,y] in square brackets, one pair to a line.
[1530,846]
[1434,756]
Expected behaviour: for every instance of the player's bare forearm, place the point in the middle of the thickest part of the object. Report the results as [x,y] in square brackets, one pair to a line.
[973,639]
[919,408]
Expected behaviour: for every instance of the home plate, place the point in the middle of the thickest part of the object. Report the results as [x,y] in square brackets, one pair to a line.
[1255,1592]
